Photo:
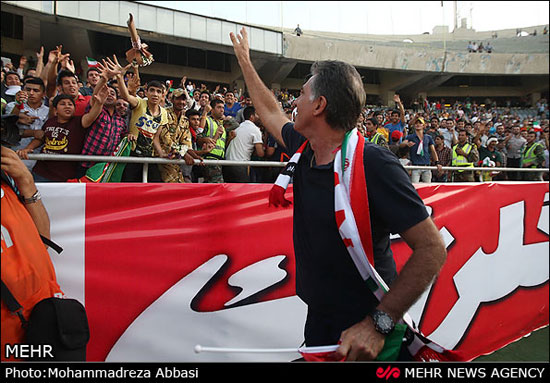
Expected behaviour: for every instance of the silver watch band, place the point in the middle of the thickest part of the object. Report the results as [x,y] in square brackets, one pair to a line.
[33,199]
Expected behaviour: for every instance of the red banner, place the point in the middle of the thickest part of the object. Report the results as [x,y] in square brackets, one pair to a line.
[170,266]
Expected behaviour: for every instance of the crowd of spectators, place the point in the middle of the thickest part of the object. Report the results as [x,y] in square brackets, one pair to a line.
[474,47]
[463,135]
[59,113]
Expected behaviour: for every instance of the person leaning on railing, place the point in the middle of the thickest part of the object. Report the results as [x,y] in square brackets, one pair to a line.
[145,122]
[514,144]
[532,157]
[214,134]
[444,156]
[464,155]
[63,134]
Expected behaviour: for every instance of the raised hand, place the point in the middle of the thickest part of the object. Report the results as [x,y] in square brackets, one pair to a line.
[136,71]
[134,83]
[103,71]
[241,45]
[102,95]
[52,55]
[60,57]
[40,54]
[119,67]
[68,64]
[110,69]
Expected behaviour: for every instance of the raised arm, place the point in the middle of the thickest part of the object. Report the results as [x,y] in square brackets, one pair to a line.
[99,99]
[264,101]
[51,71]
[188,99]
[115,69]
[103,79]
[399,104]
[134,82]
[39,62]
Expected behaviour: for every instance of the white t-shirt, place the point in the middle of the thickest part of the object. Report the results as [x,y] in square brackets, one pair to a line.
[242,146]
[42,113]
[448,136]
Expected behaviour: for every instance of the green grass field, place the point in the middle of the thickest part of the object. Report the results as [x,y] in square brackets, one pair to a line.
[534,348]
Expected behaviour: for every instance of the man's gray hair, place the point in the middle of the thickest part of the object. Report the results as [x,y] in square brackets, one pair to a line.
[341,85]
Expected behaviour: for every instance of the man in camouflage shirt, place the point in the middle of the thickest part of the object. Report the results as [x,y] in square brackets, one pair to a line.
[175,139]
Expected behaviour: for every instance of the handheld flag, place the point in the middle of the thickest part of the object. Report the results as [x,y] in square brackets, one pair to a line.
[138,55]
[92,63]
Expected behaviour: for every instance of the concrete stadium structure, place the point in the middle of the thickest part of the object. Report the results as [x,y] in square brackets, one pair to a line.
[432,66]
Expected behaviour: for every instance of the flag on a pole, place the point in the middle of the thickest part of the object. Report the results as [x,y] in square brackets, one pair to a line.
[92,63]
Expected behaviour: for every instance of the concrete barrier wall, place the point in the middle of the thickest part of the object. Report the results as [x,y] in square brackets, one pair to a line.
[364,54]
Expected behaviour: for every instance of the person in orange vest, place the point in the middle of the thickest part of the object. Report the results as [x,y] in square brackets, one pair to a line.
[27,269]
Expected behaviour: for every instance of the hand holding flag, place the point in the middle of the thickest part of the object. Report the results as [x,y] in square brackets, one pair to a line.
[138,54]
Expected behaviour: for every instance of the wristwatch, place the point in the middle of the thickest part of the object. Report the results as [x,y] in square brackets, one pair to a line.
[34,198]
[383,322]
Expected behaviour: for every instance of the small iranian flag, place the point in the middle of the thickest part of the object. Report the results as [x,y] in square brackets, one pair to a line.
[92,63]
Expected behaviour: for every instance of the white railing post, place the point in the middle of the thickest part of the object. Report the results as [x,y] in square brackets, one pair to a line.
[144,172]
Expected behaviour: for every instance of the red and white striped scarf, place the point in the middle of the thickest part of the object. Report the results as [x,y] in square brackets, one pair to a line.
[354,225]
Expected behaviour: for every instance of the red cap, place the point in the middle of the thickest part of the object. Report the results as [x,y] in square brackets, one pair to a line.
[396,135]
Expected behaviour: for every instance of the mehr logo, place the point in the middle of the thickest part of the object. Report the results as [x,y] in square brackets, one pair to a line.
[389,372]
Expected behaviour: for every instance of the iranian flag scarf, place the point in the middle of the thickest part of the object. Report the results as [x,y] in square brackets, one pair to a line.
[353,221]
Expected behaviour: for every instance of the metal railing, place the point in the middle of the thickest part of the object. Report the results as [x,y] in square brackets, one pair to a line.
[154,160]
[147,160]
